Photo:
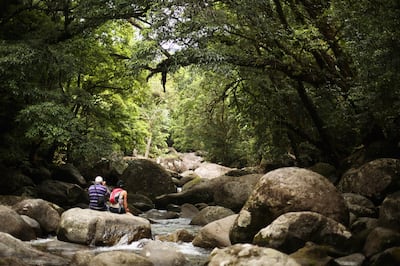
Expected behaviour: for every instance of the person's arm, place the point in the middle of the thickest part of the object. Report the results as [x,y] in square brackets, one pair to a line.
[108,192]
[126,201]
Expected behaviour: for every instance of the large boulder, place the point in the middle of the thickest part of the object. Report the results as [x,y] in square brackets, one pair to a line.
[63,194]
[13,180]
[68,173]
[233,194]
[110,168]
[288,189]
[12,223]
[41,211]
[219,190]
[374,180]
[246,254]
[292,230]
[23,254]
[215,234]
[90,227]
[211,170]
[147,178]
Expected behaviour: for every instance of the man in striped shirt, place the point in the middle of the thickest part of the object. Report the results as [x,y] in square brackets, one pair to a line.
[98,193]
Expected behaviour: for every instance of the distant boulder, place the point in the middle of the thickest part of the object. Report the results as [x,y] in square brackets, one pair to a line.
[69,174]
[223,190]
[211,170]
[13,180]
[64,194]
[374,180]
[210,214]
[146,177]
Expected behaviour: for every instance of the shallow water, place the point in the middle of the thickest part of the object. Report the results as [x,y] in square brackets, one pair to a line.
[195,255]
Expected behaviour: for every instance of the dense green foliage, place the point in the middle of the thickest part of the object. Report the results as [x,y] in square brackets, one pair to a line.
[313,79]
[67,91]
[244,80]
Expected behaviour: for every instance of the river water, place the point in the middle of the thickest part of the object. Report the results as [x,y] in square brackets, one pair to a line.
[195,255]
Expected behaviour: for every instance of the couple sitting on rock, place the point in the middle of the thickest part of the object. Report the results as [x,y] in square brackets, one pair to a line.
[99,192]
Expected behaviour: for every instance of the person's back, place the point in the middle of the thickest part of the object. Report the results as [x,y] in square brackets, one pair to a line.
[119,199]
[98,193]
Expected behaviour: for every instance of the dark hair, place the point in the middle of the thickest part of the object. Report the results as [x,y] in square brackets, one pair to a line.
[120,184]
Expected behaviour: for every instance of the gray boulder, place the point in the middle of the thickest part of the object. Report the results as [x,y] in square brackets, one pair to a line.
[147,178]
[210,214]
[247,254]
[33,224]
[215,234]
[40,210]
[359,205]
[189,211]
[373,180]
[288,189]
[90,227]
[119,258]
[12,223]
[61,193]
[292,230]
[233,194]
[211,170]
[23,254]
[68,173]
[212,191]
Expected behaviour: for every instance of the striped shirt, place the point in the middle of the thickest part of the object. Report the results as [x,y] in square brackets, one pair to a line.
[95,192]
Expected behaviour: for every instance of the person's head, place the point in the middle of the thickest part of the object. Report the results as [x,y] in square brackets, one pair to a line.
[120,184]
[98,180]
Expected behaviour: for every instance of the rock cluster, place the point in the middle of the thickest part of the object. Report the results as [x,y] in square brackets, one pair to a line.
[287,216]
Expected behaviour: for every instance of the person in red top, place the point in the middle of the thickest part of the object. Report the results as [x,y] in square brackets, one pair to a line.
[119,199]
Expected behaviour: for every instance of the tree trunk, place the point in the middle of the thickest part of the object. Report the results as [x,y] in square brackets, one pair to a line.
[148,146]
[327,142]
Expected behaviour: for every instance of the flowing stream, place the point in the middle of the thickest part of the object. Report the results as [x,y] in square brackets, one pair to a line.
[195,255]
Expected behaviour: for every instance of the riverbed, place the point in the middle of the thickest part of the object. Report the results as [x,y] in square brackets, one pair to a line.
[196,256]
